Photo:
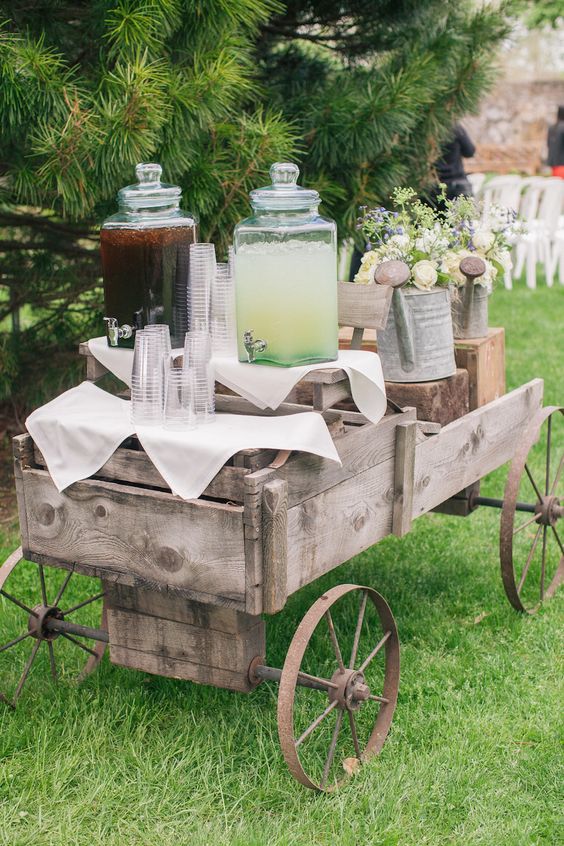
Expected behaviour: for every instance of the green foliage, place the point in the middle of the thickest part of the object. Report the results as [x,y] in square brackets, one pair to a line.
[361,93]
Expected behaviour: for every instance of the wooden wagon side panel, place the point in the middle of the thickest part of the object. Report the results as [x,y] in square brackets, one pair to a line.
[471,447]
[134,535]
[178,638]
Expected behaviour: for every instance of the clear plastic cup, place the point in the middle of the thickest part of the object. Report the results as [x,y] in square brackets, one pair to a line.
[179,410]
[223,323]
[147,377]
[197,356]
[202,272]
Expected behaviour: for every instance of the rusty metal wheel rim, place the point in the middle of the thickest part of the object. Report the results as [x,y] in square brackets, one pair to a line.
[548,512]
[291,672]
[39,618]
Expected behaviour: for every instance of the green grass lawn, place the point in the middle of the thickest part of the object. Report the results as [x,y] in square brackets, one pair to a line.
[474,755]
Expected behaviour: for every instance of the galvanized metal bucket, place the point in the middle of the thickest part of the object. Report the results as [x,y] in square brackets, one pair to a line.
[417,344]
[470,310]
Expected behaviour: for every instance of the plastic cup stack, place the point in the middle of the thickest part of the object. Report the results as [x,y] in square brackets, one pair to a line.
[152,349]
[197,357]
[202,274]
[223,328]
[179,410]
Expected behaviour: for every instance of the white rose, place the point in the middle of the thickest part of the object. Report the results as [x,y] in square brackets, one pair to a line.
[483,240]
[368,262]
[424,274]
[451,265]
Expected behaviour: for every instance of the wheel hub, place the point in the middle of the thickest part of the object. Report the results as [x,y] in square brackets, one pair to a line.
[351,690]
[549,511]
[37,623]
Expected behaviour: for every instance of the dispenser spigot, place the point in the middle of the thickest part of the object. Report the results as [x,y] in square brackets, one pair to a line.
[253,347]
[116,332]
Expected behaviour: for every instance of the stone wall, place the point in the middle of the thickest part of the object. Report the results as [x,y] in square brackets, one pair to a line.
[517,113]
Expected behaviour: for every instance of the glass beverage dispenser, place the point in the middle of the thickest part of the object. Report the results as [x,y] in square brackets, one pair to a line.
[286,276]
[145,259]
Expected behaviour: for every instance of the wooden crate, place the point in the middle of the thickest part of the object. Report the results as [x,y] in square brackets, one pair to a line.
[484,359]
[440,401]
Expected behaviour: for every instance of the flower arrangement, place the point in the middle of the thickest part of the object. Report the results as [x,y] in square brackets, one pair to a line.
[433,243]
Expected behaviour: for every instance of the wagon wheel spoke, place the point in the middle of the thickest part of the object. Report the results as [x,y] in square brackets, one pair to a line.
[52,660]
[524,525]
[548,445]
[533,483]
[334,641]
[374,652]
[63,588]
[528,561]
[14,641]
[354,735]
[359,623]
[42,583]
[376,698]
[557,476]
[18,603]
[558,539]
[27,668]
[83,604]
[543,561]
[76,642]
[316,722]
[332,748]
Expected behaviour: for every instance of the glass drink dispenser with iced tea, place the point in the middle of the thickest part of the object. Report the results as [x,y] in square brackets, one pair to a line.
[145,259]
[286,276]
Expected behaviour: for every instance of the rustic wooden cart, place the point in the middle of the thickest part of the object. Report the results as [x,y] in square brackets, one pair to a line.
[185,585]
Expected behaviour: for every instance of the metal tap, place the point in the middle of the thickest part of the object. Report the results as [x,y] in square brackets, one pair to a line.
[253,347]
[115,332]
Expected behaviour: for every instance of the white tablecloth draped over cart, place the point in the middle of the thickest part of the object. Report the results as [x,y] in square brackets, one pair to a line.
[80,430]
[267,387]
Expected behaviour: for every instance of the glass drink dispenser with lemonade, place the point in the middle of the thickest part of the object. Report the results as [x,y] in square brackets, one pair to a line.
[285,259]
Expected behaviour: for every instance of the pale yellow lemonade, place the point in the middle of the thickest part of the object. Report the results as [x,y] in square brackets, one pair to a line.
[287,296]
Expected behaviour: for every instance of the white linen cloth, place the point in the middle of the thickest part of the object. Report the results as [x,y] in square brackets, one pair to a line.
[80,430]
[267,387]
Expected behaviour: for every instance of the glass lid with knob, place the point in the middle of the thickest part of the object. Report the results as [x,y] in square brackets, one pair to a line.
[285,259]
[149,202]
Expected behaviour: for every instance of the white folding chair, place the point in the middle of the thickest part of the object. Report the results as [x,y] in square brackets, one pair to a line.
[540,209]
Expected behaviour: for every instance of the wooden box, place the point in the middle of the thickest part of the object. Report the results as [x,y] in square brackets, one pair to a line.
[484,359]
[440,401]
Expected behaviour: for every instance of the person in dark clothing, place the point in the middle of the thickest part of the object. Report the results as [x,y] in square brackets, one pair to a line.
[556,145]
[450,167]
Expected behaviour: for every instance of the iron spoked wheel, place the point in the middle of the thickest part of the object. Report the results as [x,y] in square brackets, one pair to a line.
[343,715]
[36,610]
[532,543]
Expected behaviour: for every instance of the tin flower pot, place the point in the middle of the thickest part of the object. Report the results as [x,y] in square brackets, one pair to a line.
[417,344]
[469,310]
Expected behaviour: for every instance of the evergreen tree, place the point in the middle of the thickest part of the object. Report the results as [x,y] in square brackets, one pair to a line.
[361,93]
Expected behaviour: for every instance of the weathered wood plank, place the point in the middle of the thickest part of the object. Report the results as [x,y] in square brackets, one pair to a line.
[328,529]
[360,448]
[363,306]
[473,446]
[135,466]
[484,359]
[170,606]
[440,401]
[204,654]
[404,478]
[94,369]
[23,459]
[274,544]
[195,545]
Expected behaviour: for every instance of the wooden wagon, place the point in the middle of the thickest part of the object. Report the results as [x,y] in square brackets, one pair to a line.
[185,585]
